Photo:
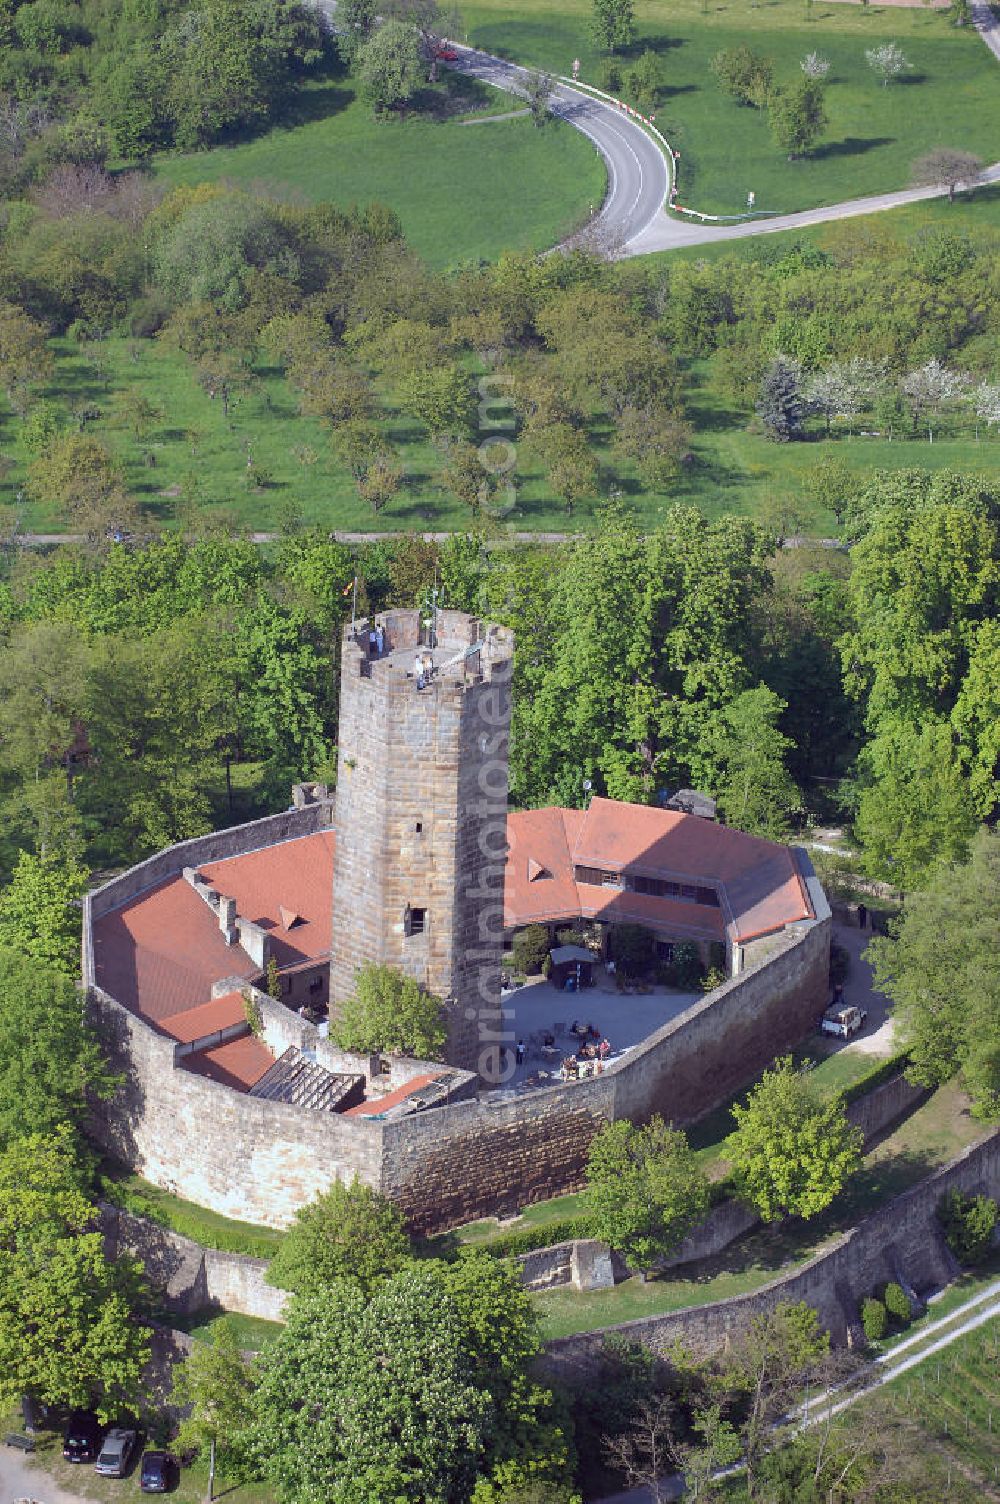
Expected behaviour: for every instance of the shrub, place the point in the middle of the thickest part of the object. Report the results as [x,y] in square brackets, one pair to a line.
[968,1223]
[874,1319]
[631,947]
[530,948]
[688,969]
[897,1303]
[539,1235]
[570,937]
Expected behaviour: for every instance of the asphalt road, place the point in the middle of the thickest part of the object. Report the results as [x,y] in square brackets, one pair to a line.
[638,178]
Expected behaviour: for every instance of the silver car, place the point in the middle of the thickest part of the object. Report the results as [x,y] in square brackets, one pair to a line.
[116,1453]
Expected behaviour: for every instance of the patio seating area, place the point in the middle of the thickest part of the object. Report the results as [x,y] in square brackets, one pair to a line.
[540,1012]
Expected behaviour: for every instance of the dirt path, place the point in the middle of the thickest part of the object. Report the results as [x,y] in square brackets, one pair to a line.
[21,1478]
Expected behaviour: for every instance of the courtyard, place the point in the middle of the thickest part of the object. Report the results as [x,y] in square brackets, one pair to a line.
[624,1019]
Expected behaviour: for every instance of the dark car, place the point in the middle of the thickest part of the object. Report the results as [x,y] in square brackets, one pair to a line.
[117,1452]
[158,1473]
[82,1437]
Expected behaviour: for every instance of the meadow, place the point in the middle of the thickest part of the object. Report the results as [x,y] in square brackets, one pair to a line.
[947,97]
[464,188]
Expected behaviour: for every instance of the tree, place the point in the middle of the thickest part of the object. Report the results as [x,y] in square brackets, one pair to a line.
[932,388]
[52,1069]
[40,910]
[644,80]
[216,1381]
[391,1012]
[647,1454]
[538,88]
[747,753]
[887,60]
[439,397]
[349,1232]
[408,1393]
[389,66]
[987,403]
[25,358]
[915,808]
[356,20]
[946,167]
[941,970]
[645,1190]
[791,1151]
[797,115]
[745,75]
[77,476]
[777,1354]
[613,24]
[69,1328]
[815,66]
[780,405]
[656,439]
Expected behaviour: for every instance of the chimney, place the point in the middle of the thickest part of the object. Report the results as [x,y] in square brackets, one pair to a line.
[227,919]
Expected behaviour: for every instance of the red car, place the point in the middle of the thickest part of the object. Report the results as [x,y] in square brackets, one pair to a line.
[446,54]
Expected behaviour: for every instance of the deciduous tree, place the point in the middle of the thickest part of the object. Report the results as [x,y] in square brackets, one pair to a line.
[942,972]
[797,115]
[791,1151]
[389,66]
[613,24]
[216,1381]
[40,910]
[392,1012]
[947,167]
[645,1190]
[349,1232]
[70,1332]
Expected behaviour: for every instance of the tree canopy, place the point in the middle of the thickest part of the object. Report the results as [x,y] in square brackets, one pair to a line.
[349,1232]
[941,970]
[791,1151]
[645,1190]
[391,1012]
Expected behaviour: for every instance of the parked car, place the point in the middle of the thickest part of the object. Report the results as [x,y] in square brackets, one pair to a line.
[158,1473]
[82,1437]
[843,1022]
[116,1453]
[446,54]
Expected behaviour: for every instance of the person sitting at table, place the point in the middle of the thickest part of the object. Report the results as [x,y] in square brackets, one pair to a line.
[604,1048]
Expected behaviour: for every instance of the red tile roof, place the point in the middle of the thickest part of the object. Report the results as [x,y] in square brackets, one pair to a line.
[392,1098]
[287,888]
[240,1063]
[198,1023]
[161,953]
[760,880]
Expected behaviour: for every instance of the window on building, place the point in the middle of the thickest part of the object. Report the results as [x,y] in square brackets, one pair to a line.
[416,921]
[316,985]
[612,880]
[665,950]
[419,826]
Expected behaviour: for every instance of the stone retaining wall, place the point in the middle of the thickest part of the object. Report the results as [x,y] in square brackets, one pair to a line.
[900,1240]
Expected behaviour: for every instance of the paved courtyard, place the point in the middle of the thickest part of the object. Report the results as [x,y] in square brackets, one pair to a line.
[624,1019]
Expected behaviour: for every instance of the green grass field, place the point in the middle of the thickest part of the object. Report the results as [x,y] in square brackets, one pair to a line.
[874,133]
[462,191]
[926,1139]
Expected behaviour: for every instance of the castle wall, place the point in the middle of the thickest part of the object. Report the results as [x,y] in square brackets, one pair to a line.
[496,1156]
[247,1158]
[900,1240]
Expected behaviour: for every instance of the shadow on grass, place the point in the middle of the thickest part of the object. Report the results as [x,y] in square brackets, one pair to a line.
[851,146]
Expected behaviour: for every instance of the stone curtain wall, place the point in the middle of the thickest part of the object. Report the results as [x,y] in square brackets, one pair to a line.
[244,1157]
[188,1277]
[900,1241]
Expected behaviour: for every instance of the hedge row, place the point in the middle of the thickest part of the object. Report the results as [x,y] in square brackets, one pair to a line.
[540,1235]
[894,1065]
[219,1233]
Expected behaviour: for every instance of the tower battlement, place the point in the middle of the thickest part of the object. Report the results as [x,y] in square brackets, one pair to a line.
[421,814]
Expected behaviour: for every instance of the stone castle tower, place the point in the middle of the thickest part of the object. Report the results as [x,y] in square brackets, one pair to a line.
[421,815]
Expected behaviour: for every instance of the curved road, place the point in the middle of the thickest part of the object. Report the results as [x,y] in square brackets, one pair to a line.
[638,178]
[632,220]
